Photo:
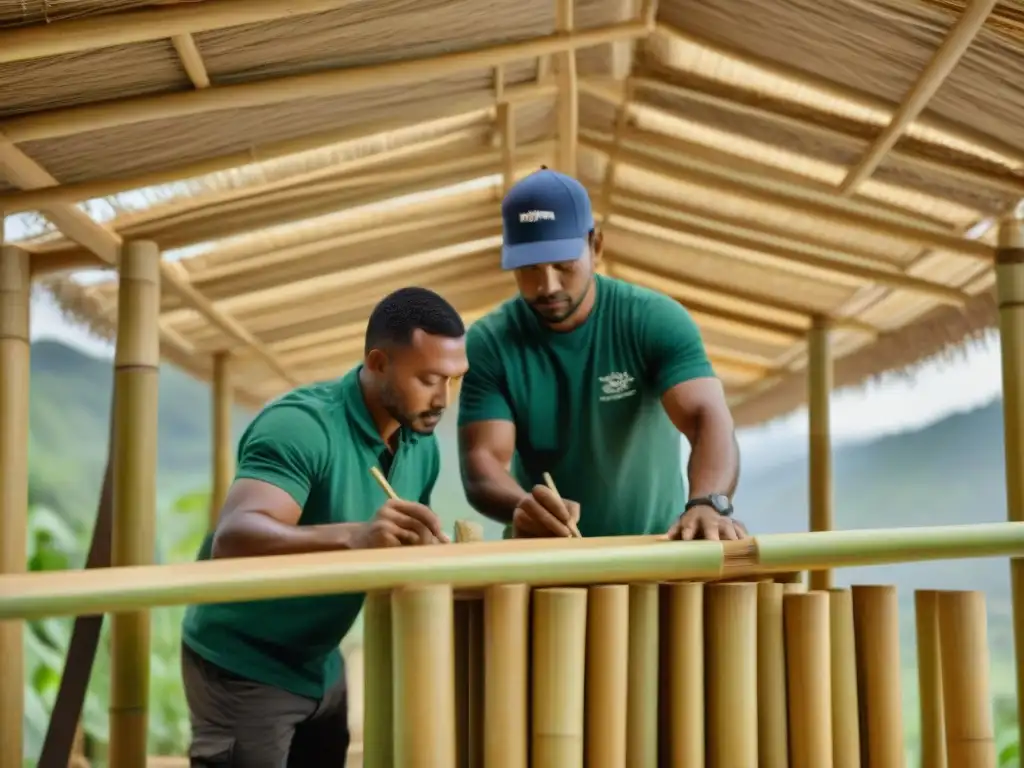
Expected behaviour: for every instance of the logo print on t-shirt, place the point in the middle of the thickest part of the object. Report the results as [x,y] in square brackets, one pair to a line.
[616,386]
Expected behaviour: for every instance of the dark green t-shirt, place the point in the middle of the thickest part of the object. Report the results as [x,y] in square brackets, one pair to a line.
[317,443]
[587,403]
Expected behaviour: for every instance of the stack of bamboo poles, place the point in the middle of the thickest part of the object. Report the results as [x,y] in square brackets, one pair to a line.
[681,675]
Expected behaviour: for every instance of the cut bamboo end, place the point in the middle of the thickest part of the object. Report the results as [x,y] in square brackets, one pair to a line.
[809,684]
[607,670]
[731,657]
[506,664]
[967,703]
[559,649]
[424,677]
[845,711]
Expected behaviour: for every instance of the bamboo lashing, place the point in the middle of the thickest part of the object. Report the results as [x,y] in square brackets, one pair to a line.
[550,483]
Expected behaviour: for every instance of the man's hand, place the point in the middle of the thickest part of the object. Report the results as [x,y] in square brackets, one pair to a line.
[398,524]
[544,514]
[702,522]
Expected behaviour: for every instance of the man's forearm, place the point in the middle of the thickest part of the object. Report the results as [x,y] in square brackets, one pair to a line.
[495,494]
[253,534]
[714,465]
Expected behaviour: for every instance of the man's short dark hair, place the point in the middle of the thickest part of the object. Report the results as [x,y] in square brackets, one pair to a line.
[398,315]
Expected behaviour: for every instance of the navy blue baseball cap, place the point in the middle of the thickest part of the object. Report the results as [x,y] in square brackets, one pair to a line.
[546,218]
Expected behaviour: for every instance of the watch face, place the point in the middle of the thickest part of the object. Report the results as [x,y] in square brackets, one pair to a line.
[720,502]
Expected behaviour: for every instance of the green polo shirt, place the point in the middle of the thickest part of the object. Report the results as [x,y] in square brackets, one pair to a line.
[316,443]
[587,404]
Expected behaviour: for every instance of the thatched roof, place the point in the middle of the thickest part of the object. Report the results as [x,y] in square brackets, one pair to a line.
[764,163]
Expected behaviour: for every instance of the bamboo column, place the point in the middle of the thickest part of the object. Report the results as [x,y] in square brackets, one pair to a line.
[607,675]
[14,400]
[845,710]
[1010,292]
[378,711]
[506,657]
[223,454]
[731,657]
[642,684]
[136,372]
[877,638]
[559,648]
[929,679]
[967,704]
[685,661]
[423,650]
[808,678]
[772,725]
[819,390]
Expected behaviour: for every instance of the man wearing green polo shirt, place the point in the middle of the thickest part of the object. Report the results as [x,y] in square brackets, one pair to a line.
[592,380]
[264,680]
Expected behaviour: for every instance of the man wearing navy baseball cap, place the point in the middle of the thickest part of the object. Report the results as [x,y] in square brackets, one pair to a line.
[592,380]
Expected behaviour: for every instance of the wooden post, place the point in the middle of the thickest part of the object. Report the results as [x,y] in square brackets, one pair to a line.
[559,656]
[1010,293]
[808,679]
[772,724]
[506,665]
[223,453]
[967,705]
[845,710]
[731,658]
[423,654]
[136,372]
[929,679]
[378,710]
[819,390]
[14,398]
[877,639]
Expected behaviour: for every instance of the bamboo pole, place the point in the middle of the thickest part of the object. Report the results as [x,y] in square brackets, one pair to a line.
[731,657]
[378,709]
[967,701]
[877,638]
[468,613]
[539,562]
[1010,294]
[607,672]
[136,372]
[845,711]
[506,656]
[559,647]
[223,456]
[14,402]
[424,677]
[929,679]
[819,386]
[809,681]
[642,685]
[772,725]
[684,649]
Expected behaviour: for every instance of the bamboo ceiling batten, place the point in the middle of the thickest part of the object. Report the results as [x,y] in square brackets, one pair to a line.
[836,166]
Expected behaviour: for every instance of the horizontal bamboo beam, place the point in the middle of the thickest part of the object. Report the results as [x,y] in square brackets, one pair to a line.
[597,560]
[69,121]
[432,112]
[834,211]
[86,34]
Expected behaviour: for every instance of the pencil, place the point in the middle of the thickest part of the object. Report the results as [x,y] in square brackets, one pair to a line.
[550,483]
[383,483]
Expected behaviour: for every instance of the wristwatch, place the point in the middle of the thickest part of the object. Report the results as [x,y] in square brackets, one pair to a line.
[717,501]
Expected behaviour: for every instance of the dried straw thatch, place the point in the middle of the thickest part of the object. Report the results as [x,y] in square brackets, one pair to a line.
[766,164]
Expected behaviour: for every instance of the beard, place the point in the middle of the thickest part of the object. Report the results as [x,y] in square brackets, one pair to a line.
[558,307]
[422,422]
